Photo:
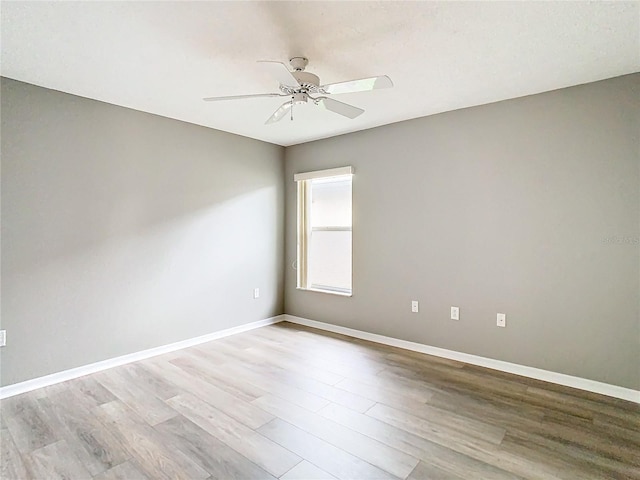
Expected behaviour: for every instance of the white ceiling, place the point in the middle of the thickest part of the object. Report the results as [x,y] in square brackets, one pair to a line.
[163,57]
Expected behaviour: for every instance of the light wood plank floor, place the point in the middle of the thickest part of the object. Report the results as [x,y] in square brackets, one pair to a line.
[290,402]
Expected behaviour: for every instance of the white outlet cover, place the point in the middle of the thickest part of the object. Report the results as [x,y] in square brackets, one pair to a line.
[414,306]
[455,313]
[501,320]
[3,338]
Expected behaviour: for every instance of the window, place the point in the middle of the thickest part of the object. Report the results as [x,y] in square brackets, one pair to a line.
[324,230]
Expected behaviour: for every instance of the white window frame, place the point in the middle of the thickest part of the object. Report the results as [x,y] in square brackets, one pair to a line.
[304,227]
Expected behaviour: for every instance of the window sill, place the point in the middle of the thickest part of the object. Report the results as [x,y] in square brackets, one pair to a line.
[330,292]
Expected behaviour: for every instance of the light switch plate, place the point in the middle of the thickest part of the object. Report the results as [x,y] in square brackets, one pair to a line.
[501,320]
[455,313]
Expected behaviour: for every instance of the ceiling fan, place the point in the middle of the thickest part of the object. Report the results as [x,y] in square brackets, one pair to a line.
[299,86]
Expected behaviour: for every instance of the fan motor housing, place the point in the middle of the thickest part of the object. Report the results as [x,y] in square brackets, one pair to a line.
[299,98]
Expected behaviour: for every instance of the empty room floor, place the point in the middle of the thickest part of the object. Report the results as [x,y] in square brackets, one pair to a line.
[290,402]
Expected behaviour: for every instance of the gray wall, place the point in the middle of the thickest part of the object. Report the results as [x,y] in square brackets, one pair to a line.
[529,207]
[123,231]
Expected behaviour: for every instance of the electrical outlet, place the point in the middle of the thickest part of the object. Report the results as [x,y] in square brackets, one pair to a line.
[256,293]
[501,320]
[414,306]
[3,338]
[455,313]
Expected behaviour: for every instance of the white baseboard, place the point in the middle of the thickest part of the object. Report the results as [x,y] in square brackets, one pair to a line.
[58,377]
[531,372]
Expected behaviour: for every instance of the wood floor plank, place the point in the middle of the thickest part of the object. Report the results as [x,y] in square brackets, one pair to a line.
[197,364]
[235,342]
[256,358]
[325,376]
[418,389]
[329,359]
[330,393]
[55,461]
[332,459]
[618,433]
[628,417]
[95,446]
[440,377]
[26,422]
[510,399]
[315,354]
[362,446]
[566,467]
[348,347]
[490,411]
[135,396]
[471,426]
[233,406]
[263,452]
[297,380]
[554,387]
[125,471]
[425,470]
[553,425]
[420,365]
[446,459]
[11,464]
[210,453]
[307,471]
[459,375]
[408,356]
[330,353]
[428,420]
[380,394]
[155,384]
[364,348]
[92,389]
[579,455]
[587,437]
[269,383]
[446,412]
[49,390]
[155,458]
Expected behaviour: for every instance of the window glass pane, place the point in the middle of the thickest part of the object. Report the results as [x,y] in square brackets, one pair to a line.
[324,233]
[331,202]
[329,264]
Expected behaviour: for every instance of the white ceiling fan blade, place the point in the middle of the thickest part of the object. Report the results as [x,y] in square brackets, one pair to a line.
[281,73]
[279,113]
[237,97]
[340,108]
[361,85]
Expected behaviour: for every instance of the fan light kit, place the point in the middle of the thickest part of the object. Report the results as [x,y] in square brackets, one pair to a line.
[299,85]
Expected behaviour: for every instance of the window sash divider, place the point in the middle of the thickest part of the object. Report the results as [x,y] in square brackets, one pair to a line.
[331,229]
